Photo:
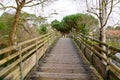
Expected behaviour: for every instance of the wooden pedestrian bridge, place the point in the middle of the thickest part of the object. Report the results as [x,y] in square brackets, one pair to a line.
[51,57]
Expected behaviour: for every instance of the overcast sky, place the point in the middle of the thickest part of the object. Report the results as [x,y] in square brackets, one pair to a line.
[63,8]
[67,7]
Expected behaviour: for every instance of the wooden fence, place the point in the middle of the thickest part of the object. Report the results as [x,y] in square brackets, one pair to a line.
[19,59]
[103,60]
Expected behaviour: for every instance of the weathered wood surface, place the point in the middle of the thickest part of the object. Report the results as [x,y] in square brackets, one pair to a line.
[63,63]
[92,51]
[24,56]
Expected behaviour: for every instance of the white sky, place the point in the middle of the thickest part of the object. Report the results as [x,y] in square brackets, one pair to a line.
[63,8]
[67,7]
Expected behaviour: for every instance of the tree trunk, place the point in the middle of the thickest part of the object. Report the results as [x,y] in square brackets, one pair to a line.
[103,13]
[13,36]
[102,35]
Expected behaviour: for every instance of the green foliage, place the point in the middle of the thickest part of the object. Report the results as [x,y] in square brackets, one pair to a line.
[113,28]
[56,25]
[80,22]
[23,31]
[110,28]
[1,25]
[114,44]
[43,29]
[27,15]
[117,28]
[6,21]
[83,29]
[71,21]
[3,29]
[60,26]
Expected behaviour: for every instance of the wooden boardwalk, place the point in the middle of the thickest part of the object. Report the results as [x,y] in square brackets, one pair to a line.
[63,63]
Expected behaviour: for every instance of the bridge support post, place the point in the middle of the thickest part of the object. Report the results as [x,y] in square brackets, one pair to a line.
[21,63]
[107,77]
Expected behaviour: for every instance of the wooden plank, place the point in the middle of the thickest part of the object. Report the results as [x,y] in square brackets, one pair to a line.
[28,64]
[17,53]
[9,67]
[6,59]
[62,75]
[62,63]
[14,75]
[8,49]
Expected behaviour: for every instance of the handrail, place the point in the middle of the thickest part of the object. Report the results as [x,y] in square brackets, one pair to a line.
[104,44]
[105,55]
[24,53]
[20,44]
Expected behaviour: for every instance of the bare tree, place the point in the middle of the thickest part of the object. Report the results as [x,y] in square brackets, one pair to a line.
[102,9]
[20,4]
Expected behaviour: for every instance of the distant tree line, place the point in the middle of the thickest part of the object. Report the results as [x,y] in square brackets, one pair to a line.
[114,28]
[83,23]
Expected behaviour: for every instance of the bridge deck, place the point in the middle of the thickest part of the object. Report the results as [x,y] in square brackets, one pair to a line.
[63,63]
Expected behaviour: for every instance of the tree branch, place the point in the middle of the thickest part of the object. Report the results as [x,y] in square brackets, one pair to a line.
[29,2]
[5,7]
[117,23]
[88,10]
[17,2]
[87,4]
[111,8]
[35,4]
[93,13]
[116,3]
[25,28]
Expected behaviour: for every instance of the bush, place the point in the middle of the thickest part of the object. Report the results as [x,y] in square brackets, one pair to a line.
[43,29]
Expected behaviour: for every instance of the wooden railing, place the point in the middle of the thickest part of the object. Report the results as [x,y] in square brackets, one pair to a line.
[103,60]
[19,59]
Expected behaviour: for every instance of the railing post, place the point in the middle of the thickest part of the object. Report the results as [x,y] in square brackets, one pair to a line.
[51,39]
[91,55]
[21,63]
[79,44]
[49,43]
[44,48]
[36,51]
[107,77]
[84,38]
